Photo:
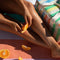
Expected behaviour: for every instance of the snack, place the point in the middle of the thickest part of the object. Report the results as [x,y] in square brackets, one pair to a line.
[24,28]
[26,48]
[20,58]
[4,53]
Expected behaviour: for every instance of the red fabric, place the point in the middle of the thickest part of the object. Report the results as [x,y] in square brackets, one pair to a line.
[14,46]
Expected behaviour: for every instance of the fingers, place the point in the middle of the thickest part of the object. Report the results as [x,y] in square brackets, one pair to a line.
[28,20]
[18,28]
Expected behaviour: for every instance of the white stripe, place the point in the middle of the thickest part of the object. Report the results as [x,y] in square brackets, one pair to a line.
[52,21]
[56,17]
[58,22]
[54,11]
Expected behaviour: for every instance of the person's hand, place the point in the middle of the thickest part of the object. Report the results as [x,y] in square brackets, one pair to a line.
[27,17]
[17,7]
[15,27]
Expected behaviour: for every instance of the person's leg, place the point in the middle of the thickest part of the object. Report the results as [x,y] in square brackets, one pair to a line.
[41,31]
[26,35]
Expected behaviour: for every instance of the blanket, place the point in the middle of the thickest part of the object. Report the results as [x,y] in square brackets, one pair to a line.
[50,13]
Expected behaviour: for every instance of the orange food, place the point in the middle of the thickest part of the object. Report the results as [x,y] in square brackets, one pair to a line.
[26,48]
[4,53]
[20,58]
[24,28]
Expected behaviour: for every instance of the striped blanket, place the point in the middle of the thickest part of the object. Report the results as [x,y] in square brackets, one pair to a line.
[51,15]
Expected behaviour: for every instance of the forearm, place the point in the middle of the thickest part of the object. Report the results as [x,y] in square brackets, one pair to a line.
[12,6]
[5,21]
